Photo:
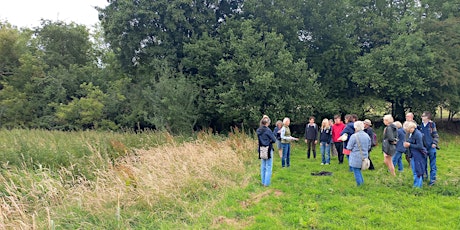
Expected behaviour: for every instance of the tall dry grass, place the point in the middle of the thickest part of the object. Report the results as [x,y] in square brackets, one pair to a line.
[157,181]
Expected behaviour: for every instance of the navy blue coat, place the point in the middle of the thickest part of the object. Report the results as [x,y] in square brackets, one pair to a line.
[416,148]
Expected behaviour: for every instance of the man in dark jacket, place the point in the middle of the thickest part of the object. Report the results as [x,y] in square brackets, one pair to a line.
[430,141]
[311,136]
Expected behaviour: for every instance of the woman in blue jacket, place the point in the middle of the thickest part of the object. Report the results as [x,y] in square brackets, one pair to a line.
[397,158]
[266,138]
[417,150]
[359,145]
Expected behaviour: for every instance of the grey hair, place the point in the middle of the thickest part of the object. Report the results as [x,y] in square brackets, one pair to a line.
[359,126]
[286,119]
[388,118]
[265,120]
[409,124]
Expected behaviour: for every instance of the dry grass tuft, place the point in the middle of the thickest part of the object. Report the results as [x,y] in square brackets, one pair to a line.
[173,173]
[256,198]
[228,223]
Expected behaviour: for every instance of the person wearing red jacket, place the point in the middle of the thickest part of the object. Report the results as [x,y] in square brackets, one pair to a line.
[336,130]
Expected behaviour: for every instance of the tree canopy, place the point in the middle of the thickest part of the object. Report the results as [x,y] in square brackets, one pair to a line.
[184,65]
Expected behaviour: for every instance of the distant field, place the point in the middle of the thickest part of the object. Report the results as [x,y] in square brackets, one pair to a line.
[155,181]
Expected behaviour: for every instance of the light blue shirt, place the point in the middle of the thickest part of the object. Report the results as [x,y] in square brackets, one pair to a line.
[357,140]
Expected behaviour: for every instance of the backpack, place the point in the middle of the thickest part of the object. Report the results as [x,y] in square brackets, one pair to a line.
[374,141]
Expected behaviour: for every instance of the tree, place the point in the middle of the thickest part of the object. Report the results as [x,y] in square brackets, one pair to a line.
[84,112]
[400,72]
[254,74]
[10,50]
[443,37]
[64,44]
[141,31]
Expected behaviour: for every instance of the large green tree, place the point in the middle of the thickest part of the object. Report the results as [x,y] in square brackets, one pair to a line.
[400,73]
[253,74]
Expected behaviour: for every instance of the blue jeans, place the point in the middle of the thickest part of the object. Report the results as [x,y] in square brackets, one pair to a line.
[433,168]
[418,180]
[358,175]
[266,170]
[397,160]
[286,160]
[325,149]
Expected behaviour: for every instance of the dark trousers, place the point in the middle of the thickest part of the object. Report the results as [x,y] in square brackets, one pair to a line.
[311,145]
[371,165]
[339,147]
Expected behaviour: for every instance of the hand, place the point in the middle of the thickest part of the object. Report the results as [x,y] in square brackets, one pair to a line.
[344,137]
[296,139]
[406,144]
[327,144]
[316,142]
[433,146]
[306,141]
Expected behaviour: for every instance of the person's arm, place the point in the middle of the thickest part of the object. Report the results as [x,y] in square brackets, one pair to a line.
[351,142]
[272,136]
[391,135]
[417,138]
[369,143]
[329,137]
[316,135]
[284,137]
[434,135]
[283,134]
[306,131]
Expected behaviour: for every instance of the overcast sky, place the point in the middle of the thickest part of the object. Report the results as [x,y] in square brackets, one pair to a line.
[27,13]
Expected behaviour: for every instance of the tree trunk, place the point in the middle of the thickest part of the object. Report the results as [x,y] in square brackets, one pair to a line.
[398,110]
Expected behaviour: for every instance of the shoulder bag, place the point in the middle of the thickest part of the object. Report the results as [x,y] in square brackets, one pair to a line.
[263,152]
[365,161]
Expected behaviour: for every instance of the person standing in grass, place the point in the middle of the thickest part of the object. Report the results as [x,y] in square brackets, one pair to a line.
[397,158]
[333,150]
[325,142]
[311,136]
[409,117]
[368,129]
[418,152]
[266,138]
[390,139]
[277,133]
[346,133]
[430,140]
[286,139]
[337,128]
[359,143]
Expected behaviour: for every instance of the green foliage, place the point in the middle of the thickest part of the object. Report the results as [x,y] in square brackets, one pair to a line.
[84,112]
[173,104]
[241,59]
[9,49]
[397,72]
[64,44]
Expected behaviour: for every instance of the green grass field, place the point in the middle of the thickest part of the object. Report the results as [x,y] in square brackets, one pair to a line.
[296,199]
[152,180]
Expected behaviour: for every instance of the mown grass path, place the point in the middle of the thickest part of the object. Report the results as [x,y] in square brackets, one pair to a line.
[296,199]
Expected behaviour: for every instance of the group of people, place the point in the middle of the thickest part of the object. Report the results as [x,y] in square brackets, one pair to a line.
[355,140]
[418,142]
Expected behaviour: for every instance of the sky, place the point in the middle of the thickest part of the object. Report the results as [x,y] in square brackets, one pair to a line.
[27,13]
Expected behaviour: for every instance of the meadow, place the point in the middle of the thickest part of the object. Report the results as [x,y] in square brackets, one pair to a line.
[152,180]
